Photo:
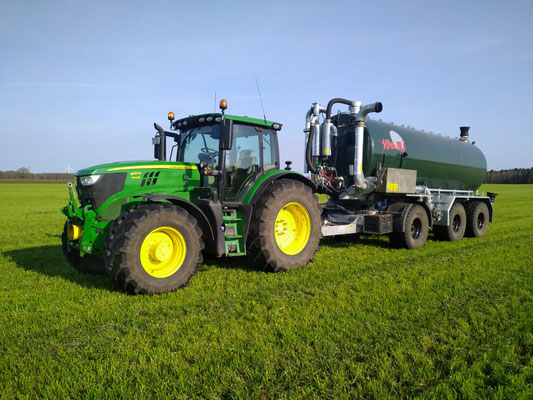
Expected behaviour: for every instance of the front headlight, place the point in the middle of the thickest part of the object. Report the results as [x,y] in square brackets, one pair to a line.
[89,180]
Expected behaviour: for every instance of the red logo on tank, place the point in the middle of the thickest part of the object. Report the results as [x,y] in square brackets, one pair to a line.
[390,145]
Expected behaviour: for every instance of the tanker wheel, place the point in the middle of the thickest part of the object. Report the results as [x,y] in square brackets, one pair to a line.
[285,227]
[477,219]
[456,229]
[416,229]
[88,264]
[153,248]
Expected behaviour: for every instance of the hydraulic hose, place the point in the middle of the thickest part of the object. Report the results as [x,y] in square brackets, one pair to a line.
[308,157]
[333,101]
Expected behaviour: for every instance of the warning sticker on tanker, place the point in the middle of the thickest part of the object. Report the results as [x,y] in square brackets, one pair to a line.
[392,187]
[396,142]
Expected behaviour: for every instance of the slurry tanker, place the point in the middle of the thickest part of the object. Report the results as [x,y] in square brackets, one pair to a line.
[221,190]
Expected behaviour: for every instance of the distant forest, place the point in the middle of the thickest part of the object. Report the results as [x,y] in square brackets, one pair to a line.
[24,173]
[517,175]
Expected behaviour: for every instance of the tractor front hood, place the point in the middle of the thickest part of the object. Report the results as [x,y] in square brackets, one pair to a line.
[101,185]
[127,166]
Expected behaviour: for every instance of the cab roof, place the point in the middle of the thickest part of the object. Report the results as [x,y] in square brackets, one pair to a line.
[196,120]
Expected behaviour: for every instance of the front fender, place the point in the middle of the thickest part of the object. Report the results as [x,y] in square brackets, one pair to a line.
[191,208]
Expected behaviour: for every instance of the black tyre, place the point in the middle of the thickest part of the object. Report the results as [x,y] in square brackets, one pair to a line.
[88,264]
[285,227]
[456,229]
[395,238]
[116,231]
[416,228]
[477,219]
[153,248]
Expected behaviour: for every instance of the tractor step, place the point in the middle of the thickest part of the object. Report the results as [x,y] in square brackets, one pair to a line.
[233,234]
[229,219]
[233,237]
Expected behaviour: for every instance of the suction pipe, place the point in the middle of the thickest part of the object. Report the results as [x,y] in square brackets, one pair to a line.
[312,133]
[360,181]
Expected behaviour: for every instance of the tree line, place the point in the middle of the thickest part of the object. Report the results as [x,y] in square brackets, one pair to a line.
[516,175]
[24,173]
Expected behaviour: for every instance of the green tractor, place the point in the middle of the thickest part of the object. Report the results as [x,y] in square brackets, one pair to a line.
[221,192]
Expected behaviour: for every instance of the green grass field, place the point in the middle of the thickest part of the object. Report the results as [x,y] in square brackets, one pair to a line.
[450,320]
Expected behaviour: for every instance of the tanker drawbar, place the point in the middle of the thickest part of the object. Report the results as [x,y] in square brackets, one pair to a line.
[371,168]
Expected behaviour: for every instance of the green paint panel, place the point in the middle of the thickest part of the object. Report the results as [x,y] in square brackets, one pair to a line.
[139,177]
[260,182]
[194,120]
[128,166]
[440,162]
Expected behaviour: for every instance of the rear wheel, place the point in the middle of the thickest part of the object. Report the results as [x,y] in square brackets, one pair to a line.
[88,264]
[285,228]
[477,219]
[416,227]
[153,248]
[457,226]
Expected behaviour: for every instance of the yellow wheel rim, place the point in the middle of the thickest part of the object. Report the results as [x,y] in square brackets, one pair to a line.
[292,228]
[163,252]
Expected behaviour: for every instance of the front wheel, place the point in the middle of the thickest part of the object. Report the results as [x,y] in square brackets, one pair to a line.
[285,228]
[154,248]
[88,264]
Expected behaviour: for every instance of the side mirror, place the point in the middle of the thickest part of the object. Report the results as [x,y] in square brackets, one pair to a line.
[160,144]
[226,134]
[156,141]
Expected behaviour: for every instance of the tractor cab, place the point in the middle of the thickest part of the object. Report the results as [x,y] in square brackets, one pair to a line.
[231,152]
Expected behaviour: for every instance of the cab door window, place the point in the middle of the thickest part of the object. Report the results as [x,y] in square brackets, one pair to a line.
[270,150]
[243,161]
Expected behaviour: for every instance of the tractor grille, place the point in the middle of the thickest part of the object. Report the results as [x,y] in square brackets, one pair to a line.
[104,188]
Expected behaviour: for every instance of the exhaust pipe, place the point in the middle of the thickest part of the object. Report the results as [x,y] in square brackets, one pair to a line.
[464,133]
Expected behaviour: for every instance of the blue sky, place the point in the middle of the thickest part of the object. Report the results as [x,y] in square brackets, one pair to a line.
[82,82]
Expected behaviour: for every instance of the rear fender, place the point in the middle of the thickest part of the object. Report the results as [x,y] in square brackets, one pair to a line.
[401,210]
[260,186]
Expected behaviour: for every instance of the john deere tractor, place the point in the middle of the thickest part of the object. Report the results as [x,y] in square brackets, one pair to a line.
[220,191]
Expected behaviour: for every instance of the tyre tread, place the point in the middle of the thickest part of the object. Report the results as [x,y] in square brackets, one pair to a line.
[260,252]
[119,240]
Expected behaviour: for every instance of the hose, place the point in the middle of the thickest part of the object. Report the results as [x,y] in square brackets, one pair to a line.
[308,158]
[333,101]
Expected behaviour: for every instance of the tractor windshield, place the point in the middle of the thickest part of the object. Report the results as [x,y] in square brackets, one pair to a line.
[200,144]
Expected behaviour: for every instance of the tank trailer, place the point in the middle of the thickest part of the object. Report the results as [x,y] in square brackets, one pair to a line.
[221,191]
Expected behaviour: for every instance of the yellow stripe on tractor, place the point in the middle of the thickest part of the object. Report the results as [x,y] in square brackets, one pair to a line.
[153,167]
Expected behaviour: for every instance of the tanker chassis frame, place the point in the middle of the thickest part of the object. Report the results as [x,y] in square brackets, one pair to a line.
[438,204]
